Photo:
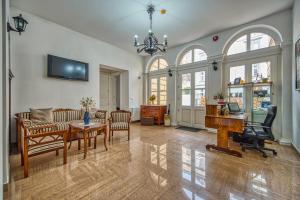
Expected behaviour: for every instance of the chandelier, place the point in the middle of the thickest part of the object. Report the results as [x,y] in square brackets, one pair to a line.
[150,45]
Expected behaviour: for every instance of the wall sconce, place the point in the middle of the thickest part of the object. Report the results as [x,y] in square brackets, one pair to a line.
[20,24]
[215,65]
[170,73]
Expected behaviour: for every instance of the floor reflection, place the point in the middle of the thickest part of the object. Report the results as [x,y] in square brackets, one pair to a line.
[259,184]
[193,166]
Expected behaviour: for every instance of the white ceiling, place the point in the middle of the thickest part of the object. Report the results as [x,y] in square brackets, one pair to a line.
[117,21]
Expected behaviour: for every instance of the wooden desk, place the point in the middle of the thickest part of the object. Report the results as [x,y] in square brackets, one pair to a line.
[225,124]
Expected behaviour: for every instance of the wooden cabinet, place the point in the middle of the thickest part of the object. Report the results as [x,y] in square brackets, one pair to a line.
[155,111]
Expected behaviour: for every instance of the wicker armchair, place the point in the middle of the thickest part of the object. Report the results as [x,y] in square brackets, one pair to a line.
[119,121]
[41,138]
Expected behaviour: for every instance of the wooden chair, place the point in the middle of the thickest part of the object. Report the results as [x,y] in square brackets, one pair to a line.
[41,138]
[119,121]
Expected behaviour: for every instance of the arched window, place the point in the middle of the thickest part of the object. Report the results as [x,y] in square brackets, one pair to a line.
[158,64]
[193,55]
[250,42]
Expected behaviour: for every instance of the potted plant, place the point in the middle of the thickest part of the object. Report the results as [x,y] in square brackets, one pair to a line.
[87,103]
[219,97]
[152,99]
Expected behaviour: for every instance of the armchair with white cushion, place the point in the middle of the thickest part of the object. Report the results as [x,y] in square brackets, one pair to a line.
[119,121]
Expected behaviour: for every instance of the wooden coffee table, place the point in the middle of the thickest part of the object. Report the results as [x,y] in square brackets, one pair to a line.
[78,127]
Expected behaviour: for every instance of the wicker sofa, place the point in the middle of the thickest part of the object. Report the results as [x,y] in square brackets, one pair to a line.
[37,138]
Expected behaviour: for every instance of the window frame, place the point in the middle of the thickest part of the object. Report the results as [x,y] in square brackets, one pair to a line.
[248,42]
[192,49]
[158,77]
[158,65]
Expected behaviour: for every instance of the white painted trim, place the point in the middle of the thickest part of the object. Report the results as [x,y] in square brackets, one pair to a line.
[261,28]
[186,49]
[285,141]
[298,150]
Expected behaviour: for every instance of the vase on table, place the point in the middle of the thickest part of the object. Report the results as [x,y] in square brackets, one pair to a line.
[86,118]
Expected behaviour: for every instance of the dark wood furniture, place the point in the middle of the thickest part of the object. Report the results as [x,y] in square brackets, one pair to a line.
[87,132]
[39,139]
[119,121]
[155,111]
[224,125]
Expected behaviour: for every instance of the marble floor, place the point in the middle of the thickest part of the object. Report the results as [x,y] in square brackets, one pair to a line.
[158,163]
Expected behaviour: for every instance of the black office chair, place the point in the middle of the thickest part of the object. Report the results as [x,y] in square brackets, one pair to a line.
[257,133]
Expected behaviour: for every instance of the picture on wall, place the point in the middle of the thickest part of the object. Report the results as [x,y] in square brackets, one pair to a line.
[297,56]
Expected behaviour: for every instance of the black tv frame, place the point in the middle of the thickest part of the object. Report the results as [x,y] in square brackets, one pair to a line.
[49,63]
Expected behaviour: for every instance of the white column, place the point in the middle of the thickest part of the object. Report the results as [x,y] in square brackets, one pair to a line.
[286,99]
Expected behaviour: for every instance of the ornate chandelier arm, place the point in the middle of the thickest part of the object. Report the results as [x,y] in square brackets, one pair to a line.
[140,50]
[162,50]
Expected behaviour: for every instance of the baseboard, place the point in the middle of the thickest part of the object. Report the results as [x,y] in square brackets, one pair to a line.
[295,147]
[284,141]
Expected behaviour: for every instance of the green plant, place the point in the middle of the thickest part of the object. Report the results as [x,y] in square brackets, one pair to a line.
[219,95]
[87,103]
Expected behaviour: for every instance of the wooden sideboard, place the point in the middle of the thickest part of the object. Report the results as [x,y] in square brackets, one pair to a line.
[155,111]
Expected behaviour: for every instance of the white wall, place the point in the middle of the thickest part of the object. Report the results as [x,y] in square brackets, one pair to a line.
[296,94]
[31,87]
[281,22]
[4,95]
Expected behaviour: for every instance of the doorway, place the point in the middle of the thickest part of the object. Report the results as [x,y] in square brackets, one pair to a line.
[191,97]
[110,89]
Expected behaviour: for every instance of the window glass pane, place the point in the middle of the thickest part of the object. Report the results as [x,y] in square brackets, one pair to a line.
[260,40]
[163,91]
[200,88]
[237,95]
[261,97]
[186,97]
[187,58]
[186,81]
[186,89]
[199,55]
[237,72]
[199,80]
[162,64]
[154,88]
[200,97]
[261,70]
[154,66]
[239,46]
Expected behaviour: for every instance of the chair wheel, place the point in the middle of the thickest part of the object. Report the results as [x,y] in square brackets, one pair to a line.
[275,153]
[265,155]
[243,149]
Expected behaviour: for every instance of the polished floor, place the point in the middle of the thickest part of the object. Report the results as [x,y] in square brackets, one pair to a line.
[158,163]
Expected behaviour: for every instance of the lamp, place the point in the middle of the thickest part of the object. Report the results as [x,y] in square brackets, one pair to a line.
[215,65]
[20,24]
[151,44]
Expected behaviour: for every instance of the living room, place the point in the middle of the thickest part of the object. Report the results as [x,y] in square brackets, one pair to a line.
[150,99]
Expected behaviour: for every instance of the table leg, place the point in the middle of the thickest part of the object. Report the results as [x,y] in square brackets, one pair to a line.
[222,143]
[69,136]
[105,137]
[85,143]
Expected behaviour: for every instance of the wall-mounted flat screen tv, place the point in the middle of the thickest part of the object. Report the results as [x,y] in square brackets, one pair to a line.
[67,69]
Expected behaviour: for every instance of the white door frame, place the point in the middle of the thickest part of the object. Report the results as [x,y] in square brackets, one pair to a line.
[197,113]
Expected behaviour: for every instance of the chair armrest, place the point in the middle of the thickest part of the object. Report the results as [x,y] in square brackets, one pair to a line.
[251,122]
[257,126]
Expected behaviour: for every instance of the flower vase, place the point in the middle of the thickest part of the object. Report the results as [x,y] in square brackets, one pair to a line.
[86,118]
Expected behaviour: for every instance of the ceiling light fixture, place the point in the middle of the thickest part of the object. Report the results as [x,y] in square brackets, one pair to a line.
[150,45]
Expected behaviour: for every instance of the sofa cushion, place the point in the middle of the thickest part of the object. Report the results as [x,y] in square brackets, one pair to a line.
[42,115]
[73,115]
[59,116]
[45,147]
[119,125]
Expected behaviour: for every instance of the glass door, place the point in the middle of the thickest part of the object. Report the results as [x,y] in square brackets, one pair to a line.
[192,97]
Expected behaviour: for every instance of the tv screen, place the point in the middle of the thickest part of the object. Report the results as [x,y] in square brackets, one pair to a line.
[67,69]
